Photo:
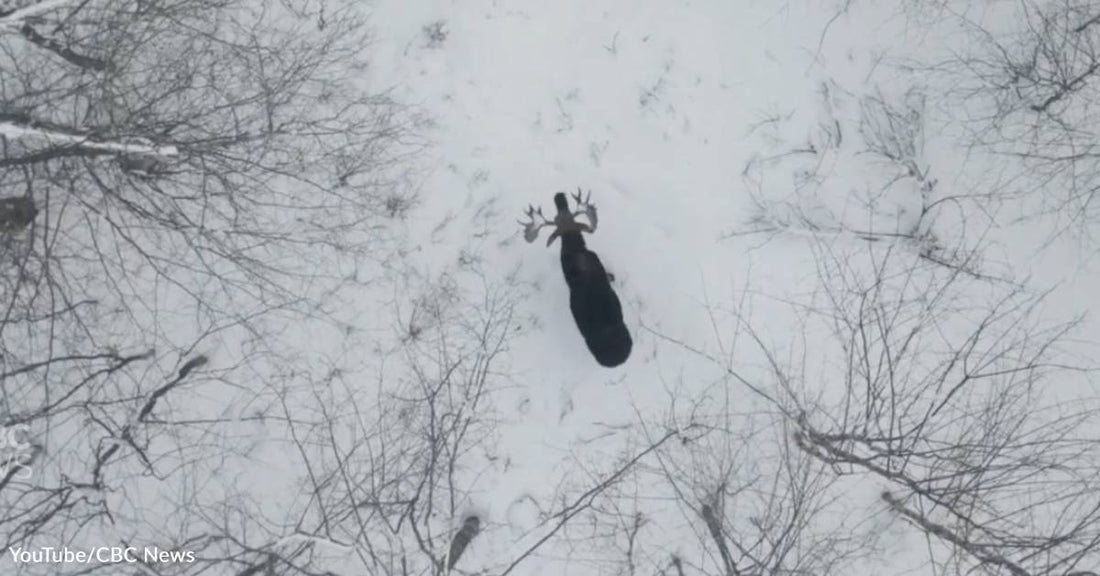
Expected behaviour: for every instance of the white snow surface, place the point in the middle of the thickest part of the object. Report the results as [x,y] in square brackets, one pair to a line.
[657,107]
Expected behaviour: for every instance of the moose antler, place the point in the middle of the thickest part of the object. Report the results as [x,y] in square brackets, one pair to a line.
[564,222]
[531,228]
[585,206]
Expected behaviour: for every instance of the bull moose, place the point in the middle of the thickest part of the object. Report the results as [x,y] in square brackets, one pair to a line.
[595,306]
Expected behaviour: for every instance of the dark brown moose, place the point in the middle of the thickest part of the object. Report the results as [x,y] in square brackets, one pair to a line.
[596,308]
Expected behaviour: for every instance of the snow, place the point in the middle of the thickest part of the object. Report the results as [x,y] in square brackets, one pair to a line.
[658,108]
[683,118]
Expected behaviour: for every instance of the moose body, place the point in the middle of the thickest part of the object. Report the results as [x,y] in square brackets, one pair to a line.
[595,306]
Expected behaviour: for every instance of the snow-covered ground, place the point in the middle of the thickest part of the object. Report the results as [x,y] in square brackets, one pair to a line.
[753,162]
[674,114]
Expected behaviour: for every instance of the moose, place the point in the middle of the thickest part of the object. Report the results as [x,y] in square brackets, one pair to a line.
[596,308]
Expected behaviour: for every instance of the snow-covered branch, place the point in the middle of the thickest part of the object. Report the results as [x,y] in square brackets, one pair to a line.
[16,18]
[15,131]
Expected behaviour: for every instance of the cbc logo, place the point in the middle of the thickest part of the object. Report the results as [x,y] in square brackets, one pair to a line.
[115,555]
